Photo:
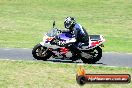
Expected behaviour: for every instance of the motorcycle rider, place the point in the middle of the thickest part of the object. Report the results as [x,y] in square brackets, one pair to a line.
[78,32]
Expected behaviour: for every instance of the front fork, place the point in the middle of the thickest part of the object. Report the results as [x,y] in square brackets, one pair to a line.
[48,50]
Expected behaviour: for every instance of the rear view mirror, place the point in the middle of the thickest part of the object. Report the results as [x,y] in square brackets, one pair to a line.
[53,24]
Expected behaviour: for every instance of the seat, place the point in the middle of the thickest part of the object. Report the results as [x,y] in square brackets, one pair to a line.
[94,37]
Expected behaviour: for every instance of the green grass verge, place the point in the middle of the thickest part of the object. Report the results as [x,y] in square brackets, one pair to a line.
[23,22]
[32,74]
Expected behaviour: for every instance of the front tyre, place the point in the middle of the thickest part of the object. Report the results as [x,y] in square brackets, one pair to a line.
[39,52]
[92,56]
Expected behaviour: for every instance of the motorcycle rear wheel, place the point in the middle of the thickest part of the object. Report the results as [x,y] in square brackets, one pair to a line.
[96,56]
[39,53]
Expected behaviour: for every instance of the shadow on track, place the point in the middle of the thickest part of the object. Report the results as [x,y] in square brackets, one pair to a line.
[70,61]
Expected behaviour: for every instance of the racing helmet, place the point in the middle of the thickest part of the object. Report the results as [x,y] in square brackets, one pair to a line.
[69,22]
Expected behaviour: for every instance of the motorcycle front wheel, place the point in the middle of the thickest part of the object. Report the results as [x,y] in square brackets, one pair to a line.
[39,52]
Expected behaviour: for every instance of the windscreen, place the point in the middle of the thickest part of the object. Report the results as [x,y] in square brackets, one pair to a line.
[53,33]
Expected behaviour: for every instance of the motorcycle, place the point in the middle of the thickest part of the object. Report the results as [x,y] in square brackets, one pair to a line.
[55,44]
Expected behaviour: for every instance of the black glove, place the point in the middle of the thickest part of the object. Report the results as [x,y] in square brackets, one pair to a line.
[54,41]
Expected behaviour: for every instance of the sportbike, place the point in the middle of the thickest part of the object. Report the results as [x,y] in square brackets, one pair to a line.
[55,44]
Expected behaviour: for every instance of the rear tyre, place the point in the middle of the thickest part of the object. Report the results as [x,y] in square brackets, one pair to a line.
[39,53]
[95,55]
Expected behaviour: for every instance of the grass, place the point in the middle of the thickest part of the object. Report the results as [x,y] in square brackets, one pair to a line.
[23,22]
[30,74]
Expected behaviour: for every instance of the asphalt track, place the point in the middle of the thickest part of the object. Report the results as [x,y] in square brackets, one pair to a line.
[108,59]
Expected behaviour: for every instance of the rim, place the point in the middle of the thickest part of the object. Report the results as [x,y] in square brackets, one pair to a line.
[95,53]
[41,51]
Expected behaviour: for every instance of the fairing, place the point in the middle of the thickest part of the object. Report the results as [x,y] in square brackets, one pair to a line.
[65,36]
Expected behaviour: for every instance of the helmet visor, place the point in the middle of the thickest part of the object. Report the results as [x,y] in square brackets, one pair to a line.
[68,24]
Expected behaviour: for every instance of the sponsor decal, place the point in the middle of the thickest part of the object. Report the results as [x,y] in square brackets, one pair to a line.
[83,78]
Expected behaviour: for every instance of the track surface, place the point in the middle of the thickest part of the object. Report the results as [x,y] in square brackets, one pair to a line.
[108,59]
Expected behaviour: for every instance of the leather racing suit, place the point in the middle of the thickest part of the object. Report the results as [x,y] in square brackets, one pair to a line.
[81,37]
